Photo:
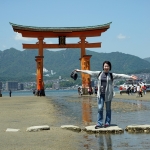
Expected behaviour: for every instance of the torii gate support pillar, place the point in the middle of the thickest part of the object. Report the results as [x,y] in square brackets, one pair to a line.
[39,76]
[86,78]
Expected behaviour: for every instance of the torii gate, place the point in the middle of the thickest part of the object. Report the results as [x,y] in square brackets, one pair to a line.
[61,33]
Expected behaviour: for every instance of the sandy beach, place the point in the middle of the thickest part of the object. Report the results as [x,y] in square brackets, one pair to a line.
[23,112]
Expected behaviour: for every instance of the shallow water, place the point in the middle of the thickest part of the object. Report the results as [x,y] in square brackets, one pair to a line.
[79,111]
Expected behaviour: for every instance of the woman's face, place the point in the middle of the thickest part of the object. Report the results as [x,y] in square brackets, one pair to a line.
[106,68]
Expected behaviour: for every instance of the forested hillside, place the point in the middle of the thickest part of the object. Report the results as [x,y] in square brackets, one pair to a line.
[15,64]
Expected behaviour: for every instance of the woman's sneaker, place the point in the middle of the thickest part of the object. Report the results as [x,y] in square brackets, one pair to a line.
[98,126]
[106,125]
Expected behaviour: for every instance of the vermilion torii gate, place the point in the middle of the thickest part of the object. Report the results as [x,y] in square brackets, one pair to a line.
[61,33]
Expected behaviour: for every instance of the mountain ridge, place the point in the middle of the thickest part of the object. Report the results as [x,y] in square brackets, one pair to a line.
[17,64]
[148,59]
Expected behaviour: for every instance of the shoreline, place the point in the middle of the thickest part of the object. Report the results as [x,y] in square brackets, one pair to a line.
[126,96]
[133,97]
[23,112]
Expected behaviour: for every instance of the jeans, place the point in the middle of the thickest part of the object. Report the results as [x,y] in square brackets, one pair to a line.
[100,102]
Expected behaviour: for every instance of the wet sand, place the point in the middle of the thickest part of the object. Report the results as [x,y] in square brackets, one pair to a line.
[129,97]
[133,97]
[119,104]
[23,112]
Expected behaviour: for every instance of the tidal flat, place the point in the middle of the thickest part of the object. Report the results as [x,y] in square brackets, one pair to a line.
[21,112]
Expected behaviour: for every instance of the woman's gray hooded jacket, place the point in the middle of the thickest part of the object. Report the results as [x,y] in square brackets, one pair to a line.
[109,85]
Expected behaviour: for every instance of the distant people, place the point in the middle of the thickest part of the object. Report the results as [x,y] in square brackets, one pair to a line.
[132,88]
[38,92]
[34,91]
[128,90]
[90,91]
[80,92]
[105,91]
[141,91]
[138,89]
[144,89]
[95,90]
[120,88]
[43,92]
[135,89]
[10,93]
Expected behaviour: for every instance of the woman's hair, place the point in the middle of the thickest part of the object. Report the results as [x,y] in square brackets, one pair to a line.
[108,63]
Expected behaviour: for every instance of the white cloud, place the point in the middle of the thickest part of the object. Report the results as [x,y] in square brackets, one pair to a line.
[19,37]
[4,46]
[47,75]
[121,36]
[48,41]
[57,49]
[68,41]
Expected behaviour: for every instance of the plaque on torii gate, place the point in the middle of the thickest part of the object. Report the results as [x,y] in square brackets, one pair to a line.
[61,33]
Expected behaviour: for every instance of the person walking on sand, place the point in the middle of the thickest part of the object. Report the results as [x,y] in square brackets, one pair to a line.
[141,91]
[95,90]
[138,90]
[144,89]
[80,92]
[105,91]
[10,93]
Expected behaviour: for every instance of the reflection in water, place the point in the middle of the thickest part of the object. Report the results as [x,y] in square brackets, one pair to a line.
[87,145]
[82,110]
[139,104]
[104,141]
[86,110]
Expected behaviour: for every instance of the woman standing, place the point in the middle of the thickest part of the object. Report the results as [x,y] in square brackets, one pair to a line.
[105,91]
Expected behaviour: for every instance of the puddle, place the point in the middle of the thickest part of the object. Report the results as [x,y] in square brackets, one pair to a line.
[80,111]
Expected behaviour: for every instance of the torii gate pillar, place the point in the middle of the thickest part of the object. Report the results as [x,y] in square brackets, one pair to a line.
[39,80]
[39,70]
[86,78]
[40,53]
[85,65]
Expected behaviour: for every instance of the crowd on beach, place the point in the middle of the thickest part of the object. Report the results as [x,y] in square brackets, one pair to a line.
[132,89]
[90,90]
[39,92]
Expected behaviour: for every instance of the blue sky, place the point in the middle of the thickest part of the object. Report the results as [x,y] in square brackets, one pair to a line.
[129,32]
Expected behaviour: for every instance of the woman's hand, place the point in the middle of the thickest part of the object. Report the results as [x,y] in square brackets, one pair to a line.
[134,77]
[77,70]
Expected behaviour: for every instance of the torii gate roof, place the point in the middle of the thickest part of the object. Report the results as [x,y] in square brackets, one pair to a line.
[33,31]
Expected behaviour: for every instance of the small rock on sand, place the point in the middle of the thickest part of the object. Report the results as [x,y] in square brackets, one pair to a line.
[71,127]
[38,128]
